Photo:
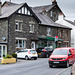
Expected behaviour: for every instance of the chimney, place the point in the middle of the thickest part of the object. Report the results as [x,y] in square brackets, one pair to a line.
[43,11]
[0,6]
[10,0]
[61,16]
[54,2]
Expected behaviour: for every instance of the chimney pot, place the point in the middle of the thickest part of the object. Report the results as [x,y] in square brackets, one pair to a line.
[54,2]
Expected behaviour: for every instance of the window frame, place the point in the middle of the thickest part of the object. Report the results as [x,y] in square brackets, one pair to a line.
[61,33]
[49,33]
[18,25]
[51,13]
[31,28]
[18,43]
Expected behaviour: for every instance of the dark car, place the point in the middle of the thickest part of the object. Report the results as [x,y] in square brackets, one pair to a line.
[44,52]
[39,51]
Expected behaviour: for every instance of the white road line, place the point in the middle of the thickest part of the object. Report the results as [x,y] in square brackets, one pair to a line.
[62,71]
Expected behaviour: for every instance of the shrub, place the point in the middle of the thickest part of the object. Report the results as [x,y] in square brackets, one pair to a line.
[8,56]
[14,55]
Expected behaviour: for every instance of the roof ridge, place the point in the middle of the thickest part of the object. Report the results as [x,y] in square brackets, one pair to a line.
[10,2]
[71,22]
[41,6]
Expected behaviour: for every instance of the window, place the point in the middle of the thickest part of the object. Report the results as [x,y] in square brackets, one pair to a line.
[19,26]
[60,52]
[51,13]
[31,28]
[69,51]
[20,43]
[48,31]
[66,34]
[61,33]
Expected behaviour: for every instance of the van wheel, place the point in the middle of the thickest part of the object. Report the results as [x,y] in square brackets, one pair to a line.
[67,64]
[26,57]
[50,66]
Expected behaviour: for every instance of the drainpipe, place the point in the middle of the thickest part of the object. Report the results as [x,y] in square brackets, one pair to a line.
[0,6]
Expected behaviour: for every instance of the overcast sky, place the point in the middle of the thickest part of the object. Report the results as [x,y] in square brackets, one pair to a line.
[67,6]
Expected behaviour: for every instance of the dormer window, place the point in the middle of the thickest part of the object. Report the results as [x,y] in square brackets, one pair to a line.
[51,13]
[24,10]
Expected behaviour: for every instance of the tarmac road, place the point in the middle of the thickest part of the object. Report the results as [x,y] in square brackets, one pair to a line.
[32,67]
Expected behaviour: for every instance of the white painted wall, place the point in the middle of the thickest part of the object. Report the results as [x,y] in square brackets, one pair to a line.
[63,22]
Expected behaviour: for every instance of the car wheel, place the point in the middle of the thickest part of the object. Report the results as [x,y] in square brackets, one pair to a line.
[67,64]
[26,57]
[35,58]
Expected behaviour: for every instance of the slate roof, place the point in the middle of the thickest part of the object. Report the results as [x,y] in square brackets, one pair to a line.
[45,20]
[9,10]
[12,8]
[39,9]
[70,22]
[9,3]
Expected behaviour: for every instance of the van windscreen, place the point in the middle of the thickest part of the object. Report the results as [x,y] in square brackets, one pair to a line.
[60,52]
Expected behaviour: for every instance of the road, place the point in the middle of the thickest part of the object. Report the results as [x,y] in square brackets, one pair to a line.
[29,67]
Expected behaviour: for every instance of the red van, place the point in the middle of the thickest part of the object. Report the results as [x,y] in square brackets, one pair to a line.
[62,57]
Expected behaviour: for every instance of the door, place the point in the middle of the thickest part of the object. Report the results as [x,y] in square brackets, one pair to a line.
[3,51]
[33,45]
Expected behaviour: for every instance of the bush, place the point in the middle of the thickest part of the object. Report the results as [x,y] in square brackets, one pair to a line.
[14,55]
[7,56]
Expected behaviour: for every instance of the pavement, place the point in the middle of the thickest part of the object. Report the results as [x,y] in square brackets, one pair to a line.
[73,69]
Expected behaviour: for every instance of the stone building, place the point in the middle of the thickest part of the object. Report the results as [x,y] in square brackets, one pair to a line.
[51,11]
[21,27]
[70,24]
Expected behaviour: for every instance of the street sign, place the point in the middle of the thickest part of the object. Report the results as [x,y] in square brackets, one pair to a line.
[56,38]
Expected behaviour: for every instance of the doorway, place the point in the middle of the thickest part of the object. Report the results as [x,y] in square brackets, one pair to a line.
[33,45]
[3,51]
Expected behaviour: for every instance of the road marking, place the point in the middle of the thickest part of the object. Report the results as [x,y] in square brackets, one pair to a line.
[62,71]
[34,67]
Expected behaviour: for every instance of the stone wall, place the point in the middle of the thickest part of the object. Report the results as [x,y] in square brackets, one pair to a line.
[43,30]
[3,31]
[64,37]
[25,33]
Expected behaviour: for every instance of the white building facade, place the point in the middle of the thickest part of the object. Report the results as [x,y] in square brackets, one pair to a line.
[70,24]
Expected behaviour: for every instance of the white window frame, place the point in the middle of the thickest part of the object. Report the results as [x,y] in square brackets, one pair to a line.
[19,28]
[22,39]
[48,31]
[51,13]
[32,29]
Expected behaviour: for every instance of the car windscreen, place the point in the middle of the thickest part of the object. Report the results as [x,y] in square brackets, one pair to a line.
[32,51]
[48,49]
[60,52]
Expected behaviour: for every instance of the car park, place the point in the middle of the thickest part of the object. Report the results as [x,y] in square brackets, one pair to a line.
[62,57]
[44,52]
[27,54]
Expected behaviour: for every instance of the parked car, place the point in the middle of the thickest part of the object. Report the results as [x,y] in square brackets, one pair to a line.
[62,57]
[44,52]
[27,54]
